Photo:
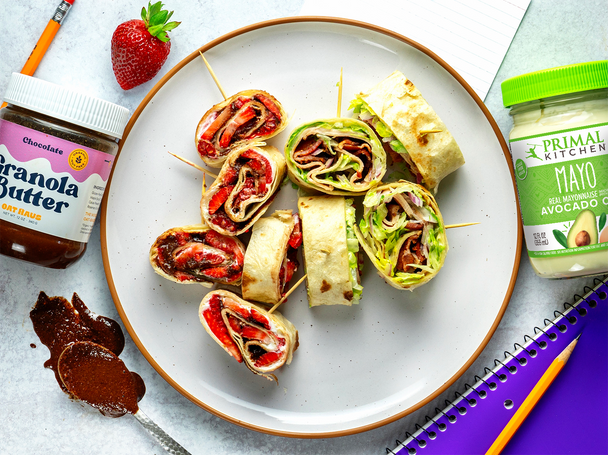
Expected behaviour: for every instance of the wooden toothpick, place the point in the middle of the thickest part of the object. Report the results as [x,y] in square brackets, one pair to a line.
[200,168]
[340,95]
[203,191]
[424,132]
[287,294]
[213,75]
[450,226]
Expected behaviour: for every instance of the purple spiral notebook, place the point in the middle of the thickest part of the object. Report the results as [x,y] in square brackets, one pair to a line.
[570,418]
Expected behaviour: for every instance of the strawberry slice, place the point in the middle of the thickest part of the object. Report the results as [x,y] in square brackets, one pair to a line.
[239,102]
[218,199]
[243,312]
[267,359]
[261,166]
[290,269]
[182,238]
[195,254]
[206,148]
[253,333]
[242,116]
[260,319]
[269,105]
[230,176]
[181,276]
[295,239]
[217,123]
[248,189]
[216,273]
[235,324]
[227,244]
[221,220]
[213,317]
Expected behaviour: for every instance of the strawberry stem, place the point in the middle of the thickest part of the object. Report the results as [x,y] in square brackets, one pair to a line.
[156,19]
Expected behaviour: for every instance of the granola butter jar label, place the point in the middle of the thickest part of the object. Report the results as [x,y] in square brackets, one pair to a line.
[558,146]
[50,184]
[57,148]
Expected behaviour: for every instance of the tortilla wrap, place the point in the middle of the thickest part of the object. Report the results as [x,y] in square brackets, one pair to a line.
[265,255]
[325,250]
[400,106]
[403,234]
[338,156]
[251,162]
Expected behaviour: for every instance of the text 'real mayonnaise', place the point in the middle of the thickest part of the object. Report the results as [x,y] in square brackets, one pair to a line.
[558,146]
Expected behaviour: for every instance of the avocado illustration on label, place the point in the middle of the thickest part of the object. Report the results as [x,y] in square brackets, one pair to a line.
[584,230]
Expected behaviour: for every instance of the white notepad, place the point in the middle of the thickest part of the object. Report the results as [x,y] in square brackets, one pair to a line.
[472,36]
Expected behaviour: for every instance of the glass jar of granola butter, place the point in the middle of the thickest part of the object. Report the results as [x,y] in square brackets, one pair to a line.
[558,146]
[57,148]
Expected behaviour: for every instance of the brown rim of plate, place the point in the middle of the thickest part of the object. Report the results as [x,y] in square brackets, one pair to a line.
[283,21]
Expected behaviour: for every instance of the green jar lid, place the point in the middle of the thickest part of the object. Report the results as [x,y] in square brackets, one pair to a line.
[555,81]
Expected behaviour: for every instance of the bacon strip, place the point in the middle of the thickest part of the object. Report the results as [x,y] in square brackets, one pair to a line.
[410,255]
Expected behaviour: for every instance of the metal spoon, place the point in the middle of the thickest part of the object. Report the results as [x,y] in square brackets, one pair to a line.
[97,376]
[166,441]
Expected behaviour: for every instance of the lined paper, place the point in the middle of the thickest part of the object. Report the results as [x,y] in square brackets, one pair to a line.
[472,36]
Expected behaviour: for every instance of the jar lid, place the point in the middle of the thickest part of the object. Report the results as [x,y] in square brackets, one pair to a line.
[66,104]
[555,81]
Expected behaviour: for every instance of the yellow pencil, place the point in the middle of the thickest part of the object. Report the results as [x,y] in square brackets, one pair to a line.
[45,39]
[539,389]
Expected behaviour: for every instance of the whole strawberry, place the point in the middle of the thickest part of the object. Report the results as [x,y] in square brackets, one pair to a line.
[141,47]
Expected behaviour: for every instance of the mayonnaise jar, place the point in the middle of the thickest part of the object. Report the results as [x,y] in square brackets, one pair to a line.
[558,146]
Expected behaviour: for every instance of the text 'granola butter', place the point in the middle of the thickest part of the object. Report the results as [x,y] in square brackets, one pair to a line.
[57,148]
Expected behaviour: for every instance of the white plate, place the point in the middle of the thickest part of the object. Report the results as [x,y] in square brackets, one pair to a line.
[357,367]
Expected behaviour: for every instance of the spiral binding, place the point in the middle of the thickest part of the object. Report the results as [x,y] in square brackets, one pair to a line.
[497,374]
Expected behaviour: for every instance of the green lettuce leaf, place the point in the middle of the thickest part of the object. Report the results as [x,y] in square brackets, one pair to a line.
[353,248]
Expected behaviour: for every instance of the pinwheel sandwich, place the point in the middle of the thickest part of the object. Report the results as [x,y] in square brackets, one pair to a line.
[250,115]
[410,129]
[245,187]
[330,250]
[271,257]
[198,254]
[403,234]
[339,156]
[263,341]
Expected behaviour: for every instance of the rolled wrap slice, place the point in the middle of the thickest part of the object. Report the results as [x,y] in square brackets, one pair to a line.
[250,115]
[243,190]
[198,254]
[339,156]
[330,250]
[271,257]
[403,234]
[263,341]
[410,129]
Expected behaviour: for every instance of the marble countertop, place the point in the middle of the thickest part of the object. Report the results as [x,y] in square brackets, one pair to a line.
[38,416]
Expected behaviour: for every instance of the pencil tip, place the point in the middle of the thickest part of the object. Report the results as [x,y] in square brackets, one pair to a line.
[565,355]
